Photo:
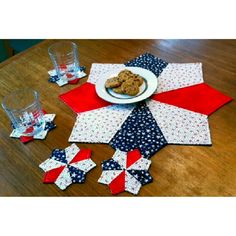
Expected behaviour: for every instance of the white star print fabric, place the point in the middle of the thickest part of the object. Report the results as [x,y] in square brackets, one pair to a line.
[180,126]
[126,172]
[98,69]
[100,125]
[179,75]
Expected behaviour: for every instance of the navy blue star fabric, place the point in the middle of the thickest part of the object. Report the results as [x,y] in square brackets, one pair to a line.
[59,155]
[149,62]
[141,131]
[77,176]
[142,176]
[49,126]
[110,165]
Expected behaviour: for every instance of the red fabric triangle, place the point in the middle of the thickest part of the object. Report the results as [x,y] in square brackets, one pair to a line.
[118,184]
[26,139]
[83,98]
[83,154]
[52,175]
[132,157]
[199,98]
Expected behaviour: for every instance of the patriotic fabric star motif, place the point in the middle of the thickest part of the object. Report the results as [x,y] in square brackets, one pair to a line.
[179,109]
[49,125]
[140,130]
[66,75]
[126,172]
[67,166]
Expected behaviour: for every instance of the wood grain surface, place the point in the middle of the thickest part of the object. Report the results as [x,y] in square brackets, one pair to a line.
[177,170]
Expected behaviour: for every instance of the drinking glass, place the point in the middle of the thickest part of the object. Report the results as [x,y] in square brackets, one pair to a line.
[64,56]
[24,110]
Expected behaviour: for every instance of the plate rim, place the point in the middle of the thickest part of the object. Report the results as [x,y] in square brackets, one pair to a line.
[126,100]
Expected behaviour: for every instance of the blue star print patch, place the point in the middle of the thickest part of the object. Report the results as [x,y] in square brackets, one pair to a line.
[59,155]
[110,165]
[149,62]
[140,130]
[142,176]
[77,176]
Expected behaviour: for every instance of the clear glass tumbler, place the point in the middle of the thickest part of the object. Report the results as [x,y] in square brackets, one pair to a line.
[25,112]
[64,56]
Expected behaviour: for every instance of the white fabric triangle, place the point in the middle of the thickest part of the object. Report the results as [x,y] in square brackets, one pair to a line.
[108,175]
[71,151]
[84,165]
[100,125]
[121,158]
[132,185]
[50,164]
[179,75]
[98,69]
[64,179]
[180,126]
[141,164]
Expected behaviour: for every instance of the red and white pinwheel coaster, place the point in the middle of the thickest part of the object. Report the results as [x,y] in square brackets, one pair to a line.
[49,125]
[67,166]
[126,171]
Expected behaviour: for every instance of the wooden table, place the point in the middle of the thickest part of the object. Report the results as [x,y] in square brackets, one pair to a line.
[177,170]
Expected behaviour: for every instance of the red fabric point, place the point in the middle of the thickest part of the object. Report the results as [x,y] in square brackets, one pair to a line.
[26,139]
[68,75]
[132,157]
[118,184]
[82,155]
[52,175]
[83,98]
[74,81]
[63,67]
[44,112]
[199,98]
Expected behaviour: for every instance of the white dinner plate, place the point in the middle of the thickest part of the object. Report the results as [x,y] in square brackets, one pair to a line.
[146,89]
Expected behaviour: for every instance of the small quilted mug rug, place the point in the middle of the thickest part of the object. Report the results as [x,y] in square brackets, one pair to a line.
[49,125]
[65,78]
[125,172]
[67,166]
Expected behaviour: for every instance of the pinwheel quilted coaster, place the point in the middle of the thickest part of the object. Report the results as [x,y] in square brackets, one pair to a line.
[177,112]
[125,172]
[67,166]
[64,78]
[50,125]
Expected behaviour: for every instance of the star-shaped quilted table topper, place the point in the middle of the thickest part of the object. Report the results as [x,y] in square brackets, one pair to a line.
[126,171]
[67,166]
[177,113]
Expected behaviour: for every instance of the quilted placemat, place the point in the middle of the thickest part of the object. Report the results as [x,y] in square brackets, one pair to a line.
[125,171]
[67,166]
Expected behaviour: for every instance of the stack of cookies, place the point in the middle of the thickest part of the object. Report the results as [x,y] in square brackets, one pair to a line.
[125,83]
